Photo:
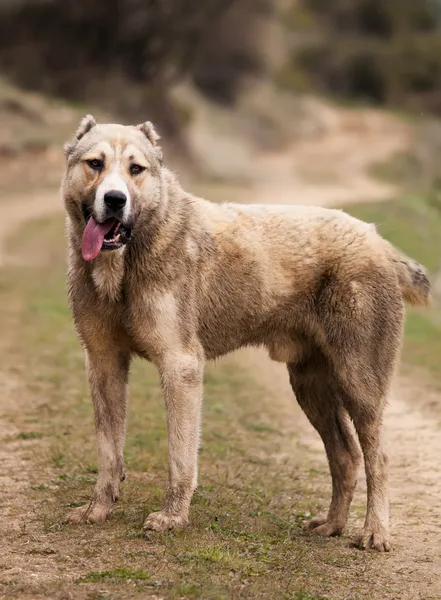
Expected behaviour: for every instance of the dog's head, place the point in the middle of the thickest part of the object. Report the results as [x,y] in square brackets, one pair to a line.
[111,171]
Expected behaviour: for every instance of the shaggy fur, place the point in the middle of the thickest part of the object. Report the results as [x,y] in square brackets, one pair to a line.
[321,290]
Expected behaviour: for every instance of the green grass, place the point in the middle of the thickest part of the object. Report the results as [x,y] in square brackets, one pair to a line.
[402,169]
[30,435]
[115,576]
[413,224]
[303,596]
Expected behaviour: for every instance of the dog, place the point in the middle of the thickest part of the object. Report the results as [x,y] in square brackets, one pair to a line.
[156,272]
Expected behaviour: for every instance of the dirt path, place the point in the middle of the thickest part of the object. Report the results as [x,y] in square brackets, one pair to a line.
[332,170]
[21,209]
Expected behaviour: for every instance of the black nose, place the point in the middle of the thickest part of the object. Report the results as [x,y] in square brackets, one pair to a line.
[115,199]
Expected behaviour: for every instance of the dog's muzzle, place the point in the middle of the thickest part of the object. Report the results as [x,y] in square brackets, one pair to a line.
[110,233]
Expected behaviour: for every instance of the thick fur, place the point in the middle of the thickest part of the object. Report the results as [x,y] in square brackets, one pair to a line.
[322,291]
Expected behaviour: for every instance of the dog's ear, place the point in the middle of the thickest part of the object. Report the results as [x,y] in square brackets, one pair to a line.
[150,132]
[86,124]
[153,137]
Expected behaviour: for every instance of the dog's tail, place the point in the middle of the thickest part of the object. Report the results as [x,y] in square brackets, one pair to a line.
[413,278]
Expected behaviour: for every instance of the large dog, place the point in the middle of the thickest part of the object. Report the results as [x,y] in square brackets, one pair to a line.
[159,273]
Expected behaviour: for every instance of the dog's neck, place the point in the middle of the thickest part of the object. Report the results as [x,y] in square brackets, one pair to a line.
[108,274]
[160,231]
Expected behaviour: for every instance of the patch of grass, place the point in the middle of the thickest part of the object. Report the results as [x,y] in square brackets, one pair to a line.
[191,590]
[403,169]
[260,427]
[58,460]
[76,504]
[304,596]
[30,435]
[115,576]
[213,555]
[186,590]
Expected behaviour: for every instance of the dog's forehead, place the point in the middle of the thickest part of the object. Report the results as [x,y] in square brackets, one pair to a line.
[120,136]
[116,139]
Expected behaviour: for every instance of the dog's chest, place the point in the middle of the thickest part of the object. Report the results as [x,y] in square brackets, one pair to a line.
[108,275]
[153,322]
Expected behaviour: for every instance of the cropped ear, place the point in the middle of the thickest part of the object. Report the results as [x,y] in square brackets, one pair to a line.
[150,133]
[86,124]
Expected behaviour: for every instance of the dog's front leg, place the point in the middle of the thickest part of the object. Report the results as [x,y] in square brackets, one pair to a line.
[182,380]
[108,380]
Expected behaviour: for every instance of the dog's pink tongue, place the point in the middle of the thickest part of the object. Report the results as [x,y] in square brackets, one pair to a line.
[93,237]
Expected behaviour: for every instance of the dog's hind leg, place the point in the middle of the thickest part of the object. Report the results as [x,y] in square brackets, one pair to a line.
[182,381]
[108,371]
[361,317]
[366,357]
[368,421]
[319,398]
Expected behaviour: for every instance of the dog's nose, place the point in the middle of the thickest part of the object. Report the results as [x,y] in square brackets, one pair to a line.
[115,199]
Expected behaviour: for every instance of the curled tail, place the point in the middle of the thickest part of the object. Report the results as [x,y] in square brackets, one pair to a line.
[413,279]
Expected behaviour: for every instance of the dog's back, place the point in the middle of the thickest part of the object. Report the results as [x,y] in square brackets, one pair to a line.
[270,264]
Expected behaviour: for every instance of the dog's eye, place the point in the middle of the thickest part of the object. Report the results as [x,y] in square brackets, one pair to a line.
[95,164]
[136,169]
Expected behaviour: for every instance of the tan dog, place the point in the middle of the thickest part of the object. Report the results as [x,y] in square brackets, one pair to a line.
[156,272]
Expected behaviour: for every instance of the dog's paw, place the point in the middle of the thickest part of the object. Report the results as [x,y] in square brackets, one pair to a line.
[324,527]
[161,521]
[371,539]
[93,513]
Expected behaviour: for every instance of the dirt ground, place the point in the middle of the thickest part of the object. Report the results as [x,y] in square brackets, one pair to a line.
[333,169]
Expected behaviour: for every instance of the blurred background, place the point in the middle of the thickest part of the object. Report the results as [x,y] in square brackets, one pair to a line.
[233,75]
[335,103]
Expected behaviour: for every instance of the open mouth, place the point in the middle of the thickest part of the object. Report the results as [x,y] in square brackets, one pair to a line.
[116,237]
[109,235]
